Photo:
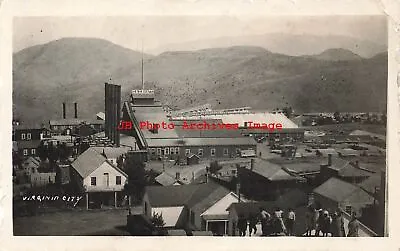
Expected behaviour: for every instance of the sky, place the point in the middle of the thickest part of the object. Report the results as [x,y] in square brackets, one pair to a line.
[158,32]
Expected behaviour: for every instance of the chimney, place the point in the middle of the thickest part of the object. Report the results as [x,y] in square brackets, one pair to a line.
[76,109]
[252,164]
[177,175]
[63,111]
[329,159]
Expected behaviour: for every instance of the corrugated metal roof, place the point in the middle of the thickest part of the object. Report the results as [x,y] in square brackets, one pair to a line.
[201,142]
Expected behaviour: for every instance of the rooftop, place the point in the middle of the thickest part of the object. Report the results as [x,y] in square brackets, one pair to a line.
[184,195]
[201,142]
[112,152]
[255,117]
[165,179]
[89,161]
[271,171]
[67,122]
[338,190]
[153,114]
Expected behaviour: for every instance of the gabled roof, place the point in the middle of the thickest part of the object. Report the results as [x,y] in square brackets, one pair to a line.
[89,161]
[193,155]
[170,215]
[195,196]
[165,179]
[32,161]
[207,197]
[346,169]
[371,183]
[29,126]
[271,171]
[338,190]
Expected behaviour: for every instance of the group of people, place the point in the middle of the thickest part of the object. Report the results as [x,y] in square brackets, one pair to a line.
[330,223]
[277,224]
[280,224]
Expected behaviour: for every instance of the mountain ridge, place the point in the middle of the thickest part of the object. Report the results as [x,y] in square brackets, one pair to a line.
[223,77]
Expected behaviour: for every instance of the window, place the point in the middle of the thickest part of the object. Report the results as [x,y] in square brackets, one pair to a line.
[233,172]
[200,152]
[226,151]
[93,181]
[187,152]
[118,180]
[348,209]
[33,151]
[237,150]
[22,135]
[28,136]
[145,208]
[25,152]
[172,150]
[212,151]
[167,151]
[159,151]
[176,150]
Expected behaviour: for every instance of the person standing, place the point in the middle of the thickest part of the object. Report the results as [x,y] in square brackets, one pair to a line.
[252,223]
[279,227]
[319,221]
[342,231]
[242,225]
[265,218]
[325,223]
[291,218]
[337,227]
[353,226]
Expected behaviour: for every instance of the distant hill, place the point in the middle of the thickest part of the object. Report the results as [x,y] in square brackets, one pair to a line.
[337,54]
[75,69]
[288,44]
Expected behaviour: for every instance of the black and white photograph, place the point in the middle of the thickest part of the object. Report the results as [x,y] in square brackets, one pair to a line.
[220,126]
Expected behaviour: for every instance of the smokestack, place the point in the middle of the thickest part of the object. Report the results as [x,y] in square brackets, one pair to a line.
[112,112]
[329,159]
[76,109]
[63,111]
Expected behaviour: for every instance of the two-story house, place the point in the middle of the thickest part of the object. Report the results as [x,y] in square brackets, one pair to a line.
[101,181]
[28,138]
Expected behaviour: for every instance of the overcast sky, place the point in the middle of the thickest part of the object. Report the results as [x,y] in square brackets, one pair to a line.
[159,32]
